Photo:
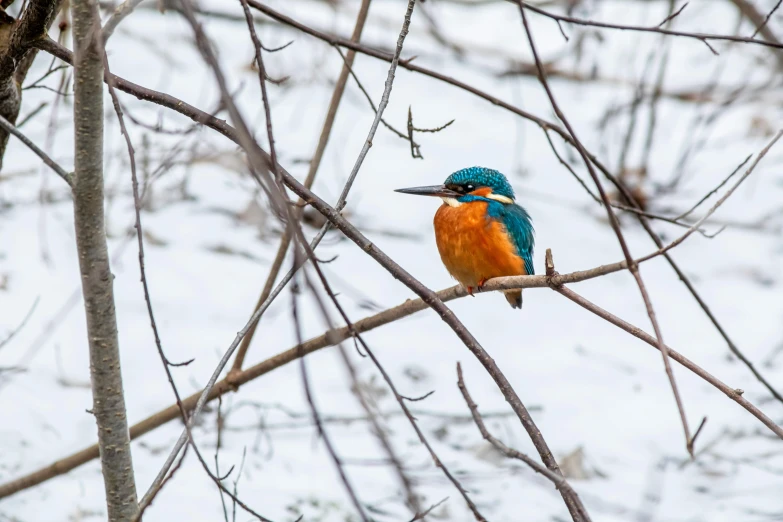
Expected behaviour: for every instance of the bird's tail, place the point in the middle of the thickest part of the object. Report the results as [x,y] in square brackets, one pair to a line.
[514,298]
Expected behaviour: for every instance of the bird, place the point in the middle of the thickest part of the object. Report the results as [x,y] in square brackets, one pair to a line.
[480,231]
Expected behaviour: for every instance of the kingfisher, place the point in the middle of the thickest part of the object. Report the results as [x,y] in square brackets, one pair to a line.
[480,231]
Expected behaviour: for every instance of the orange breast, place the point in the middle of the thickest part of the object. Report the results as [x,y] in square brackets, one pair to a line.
[473,247]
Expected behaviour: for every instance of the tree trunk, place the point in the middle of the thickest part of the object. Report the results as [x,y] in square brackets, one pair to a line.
[97,279]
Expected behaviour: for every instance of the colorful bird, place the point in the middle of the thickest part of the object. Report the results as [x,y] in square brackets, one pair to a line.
[481,233]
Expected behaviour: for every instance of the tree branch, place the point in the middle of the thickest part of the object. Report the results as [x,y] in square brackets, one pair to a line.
[315,162]
[96,276]
[16,58]
[615,223]
[9,127]
[558,480]
[332,337]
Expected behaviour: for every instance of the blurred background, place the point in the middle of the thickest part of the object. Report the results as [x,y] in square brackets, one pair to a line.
[670,116]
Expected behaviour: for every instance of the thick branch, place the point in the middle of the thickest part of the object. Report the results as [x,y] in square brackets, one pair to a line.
[97,279]
[332,337]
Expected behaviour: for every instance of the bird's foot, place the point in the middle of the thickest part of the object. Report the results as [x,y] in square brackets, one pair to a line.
[470,290]
[482,283]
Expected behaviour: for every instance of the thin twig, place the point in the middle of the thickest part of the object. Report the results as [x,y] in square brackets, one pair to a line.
[632,266]
[176,468]
[558,480]
[381,107]
[316,417]
[66,176]
[723,198]
[120,13]
[420,516]
[400,400]
[713,191]
[326,130]
[16,330]
[766,19]
[703,37]
[414,146]
[332,337]
[226,130]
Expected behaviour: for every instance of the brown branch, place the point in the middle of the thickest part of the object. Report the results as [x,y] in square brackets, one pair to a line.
[200,116]
[703,37]
[16,57]
[10,128]
[332,337]
[315,162]
[615,223]
[226,130]
[731,393]
[316,416]
[558,480]
[758,20]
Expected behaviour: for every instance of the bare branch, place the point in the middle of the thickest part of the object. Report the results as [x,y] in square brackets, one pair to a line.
[703,37]
[16,57]
[9,127]
[723,198]
[315,162]
[96,276]
[731,393]
[713,191]
[558,480]
[16,330]
[120,13]
[316,416]
[632,266]
[332,337]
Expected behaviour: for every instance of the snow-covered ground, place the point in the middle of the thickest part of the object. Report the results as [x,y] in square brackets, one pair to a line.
[599,396]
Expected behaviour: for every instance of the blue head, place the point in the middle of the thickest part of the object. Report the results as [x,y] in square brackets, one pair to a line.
[470,184]
[473,179]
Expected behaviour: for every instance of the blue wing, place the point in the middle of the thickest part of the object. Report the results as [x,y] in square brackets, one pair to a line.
[520,228]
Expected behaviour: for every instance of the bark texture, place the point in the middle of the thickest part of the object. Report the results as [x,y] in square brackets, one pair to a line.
[16,56]
[97,279]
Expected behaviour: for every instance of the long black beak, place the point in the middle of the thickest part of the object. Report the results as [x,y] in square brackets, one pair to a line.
[432,190]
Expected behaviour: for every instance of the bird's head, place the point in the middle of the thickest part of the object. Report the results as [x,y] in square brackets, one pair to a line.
[467,185]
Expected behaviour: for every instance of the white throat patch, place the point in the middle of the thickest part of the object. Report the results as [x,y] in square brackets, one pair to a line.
[452,202]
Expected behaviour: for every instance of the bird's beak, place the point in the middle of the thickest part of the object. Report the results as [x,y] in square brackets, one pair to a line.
[432,190]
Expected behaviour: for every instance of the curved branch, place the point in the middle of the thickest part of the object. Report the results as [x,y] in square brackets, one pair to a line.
[332,337]
[17,57]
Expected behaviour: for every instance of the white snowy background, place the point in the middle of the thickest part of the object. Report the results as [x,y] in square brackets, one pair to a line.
[599,396]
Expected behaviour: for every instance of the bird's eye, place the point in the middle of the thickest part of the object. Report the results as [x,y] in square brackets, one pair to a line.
[470,188]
